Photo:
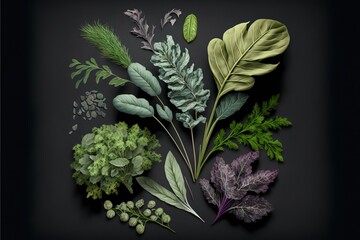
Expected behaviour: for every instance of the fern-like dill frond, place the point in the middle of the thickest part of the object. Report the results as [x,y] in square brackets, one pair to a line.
[256,131]
[107,42]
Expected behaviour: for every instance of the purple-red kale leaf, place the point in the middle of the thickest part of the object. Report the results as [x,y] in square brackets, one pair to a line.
[251,208]
[242,165]
[234,188]
[209,192]
[257,182]
[223,178]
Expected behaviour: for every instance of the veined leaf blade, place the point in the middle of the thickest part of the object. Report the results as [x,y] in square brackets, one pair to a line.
[159,191]
[236,59]
[128,103]
[230,104]
[190,27]
[144,79]
[164,112]
[174,176]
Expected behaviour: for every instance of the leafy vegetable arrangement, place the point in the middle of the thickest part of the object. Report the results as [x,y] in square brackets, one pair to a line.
[112,155]
[233,188]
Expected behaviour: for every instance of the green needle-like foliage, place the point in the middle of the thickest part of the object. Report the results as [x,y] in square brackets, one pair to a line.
[107,42]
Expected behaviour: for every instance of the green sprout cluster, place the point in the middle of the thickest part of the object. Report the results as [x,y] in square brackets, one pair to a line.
[138,214]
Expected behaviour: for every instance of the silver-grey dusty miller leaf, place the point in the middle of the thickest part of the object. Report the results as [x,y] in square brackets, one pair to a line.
[186,87]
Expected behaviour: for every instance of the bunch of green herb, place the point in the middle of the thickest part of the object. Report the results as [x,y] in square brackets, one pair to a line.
[111,155]
[136,216]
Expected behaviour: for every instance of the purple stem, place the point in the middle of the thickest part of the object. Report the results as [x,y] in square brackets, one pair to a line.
[225,204]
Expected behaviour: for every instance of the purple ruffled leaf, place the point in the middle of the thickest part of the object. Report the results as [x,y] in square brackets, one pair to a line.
[230,185]
[223,178]
[251,208]
[242,165]
[257,182]
[209,192]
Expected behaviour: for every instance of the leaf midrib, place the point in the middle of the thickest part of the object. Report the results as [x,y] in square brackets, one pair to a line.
[237,62]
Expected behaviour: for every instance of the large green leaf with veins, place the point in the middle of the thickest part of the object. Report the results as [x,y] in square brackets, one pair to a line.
[237,58]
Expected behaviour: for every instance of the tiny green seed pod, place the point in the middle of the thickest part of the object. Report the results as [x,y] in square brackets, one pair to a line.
[159,211]
[108,205]
[130,204]
[110,214]
[165,218]
[153,217]
[151,204]
[140,228]
[133,221]
[124,217]
[139,203]
[147,212]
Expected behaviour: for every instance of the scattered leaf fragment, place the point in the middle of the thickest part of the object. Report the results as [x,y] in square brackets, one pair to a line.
[168,17]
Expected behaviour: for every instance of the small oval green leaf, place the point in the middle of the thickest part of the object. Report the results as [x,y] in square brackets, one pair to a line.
[128,103]
[119,162]
[144,79]
[164,112]
[190,28]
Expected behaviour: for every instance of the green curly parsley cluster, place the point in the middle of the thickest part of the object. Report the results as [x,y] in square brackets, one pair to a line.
[112,155]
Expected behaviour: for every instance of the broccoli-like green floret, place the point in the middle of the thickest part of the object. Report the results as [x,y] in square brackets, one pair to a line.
[111,155]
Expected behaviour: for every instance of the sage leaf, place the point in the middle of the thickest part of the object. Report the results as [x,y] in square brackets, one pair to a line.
[144,79]
[119,162]
[174,176]
[128,103]
[173,173]
[231,103]
[159,191]
[164,112]
[235,60]
[190,28]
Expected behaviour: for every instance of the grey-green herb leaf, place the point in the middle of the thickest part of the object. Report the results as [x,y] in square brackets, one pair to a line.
[174,176]
[159,191]
[231,103]
[119,162]
[186,87]
[128,103]
[177,183]
[144,79]
[165,113]
[190,27]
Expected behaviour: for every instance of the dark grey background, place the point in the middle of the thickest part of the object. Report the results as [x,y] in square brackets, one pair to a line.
[314,196]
